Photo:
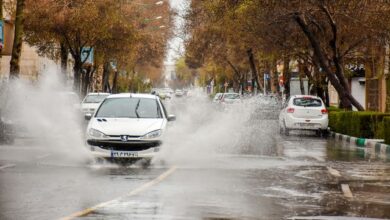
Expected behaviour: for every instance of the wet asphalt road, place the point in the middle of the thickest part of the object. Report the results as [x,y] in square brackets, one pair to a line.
[263,176]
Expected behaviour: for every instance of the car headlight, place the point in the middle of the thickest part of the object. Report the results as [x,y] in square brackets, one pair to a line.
[152,134]
[97,134]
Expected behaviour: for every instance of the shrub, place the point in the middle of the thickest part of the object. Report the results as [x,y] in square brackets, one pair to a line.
[358,124]
[334,109]
[386,129]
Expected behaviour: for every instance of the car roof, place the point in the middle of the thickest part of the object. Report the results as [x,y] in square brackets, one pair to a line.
[135,95]
[98,93]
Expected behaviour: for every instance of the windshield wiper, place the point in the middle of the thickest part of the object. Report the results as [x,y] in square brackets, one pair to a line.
[136,108]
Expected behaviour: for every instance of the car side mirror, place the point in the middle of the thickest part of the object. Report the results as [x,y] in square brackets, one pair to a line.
[88,116]
[171,118]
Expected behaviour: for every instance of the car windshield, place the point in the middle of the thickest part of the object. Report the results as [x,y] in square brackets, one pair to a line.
[129,108]
[231,96]
[94,98]
[307,102]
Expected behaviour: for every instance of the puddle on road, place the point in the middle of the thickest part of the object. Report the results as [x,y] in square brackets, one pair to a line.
[343,151]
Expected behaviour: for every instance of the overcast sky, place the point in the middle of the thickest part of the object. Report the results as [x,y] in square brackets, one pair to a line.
[176,47]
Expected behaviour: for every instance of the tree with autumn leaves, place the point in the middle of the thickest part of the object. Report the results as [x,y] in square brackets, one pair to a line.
[325,37]
[125,35]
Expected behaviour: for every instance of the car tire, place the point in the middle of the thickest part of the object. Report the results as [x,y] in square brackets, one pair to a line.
[144,163]
[286,130]
[324,133]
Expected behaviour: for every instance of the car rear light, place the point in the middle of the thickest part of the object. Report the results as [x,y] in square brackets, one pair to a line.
[324,111]
[290,110]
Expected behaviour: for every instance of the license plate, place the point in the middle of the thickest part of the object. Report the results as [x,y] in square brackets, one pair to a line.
[124,154]
[306,125]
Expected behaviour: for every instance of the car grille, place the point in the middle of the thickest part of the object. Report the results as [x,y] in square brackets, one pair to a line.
[124,146]
[119,136]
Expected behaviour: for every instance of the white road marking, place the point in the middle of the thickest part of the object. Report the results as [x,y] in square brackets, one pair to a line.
[346,190]
[333,172]
[132,193]
[42,156]
[7,166]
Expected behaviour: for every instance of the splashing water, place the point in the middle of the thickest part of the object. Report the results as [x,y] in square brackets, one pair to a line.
[47,113]
[205,131]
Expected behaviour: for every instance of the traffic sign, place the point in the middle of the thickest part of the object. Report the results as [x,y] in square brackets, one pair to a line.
[87,55]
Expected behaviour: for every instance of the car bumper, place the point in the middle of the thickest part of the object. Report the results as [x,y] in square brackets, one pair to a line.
[129,149]
[307,124]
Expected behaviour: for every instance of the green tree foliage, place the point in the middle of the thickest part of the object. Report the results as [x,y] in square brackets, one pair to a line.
[185,76]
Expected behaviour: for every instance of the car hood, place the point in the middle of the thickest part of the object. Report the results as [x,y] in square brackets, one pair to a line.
[127,126]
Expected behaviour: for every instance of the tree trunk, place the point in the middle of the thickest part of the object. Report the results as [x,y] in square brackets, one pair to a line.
[77,73]
[286,76]
[274,77]
[115,83]
[18,40]
[253,69]
[326,93]
[64,59]
[87,79]
[301,84]
[85,82]
[106,77]
[346,99]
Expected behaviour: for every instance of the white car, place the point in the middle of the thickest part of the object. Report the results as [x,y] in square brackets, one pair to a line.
[230,98]
[304,112]
[179,93]
[128,126]
[92,101]
[217,97]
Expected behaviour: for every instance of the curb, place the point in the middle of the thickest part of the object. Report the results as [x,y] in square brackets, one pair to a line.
[370,146]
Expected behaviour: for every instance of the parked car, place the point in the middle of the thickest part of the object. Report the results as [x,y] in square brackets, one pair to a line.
[128,126]
[230,98]
[179,93]
[303,112]
[92,101]
[217,97]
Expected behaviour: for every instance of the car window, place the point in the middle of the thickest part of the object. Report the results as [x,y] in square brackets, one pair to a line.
[94,98]
[129,108]
[307,102]
[232,96]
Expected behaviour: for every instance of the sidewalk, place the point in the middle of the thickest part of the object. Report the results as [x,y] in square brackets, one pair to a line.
[372,147]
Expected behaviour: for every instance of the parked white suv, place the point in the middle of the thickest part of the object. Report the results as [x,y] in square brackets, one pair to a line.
[304,112]
[127,126]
